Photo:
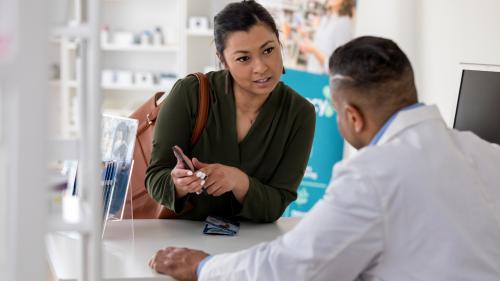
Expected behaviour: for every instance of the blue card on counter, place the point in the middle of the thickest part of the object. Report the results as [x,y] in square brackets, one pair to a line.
[220,226]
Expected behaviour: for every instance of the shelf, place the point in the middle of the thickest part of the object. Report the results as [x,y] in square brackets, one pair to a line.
[57,83]
[56,223]
[201,33]
[140,48]
[70,216]
[118,112]
[80,31]
[63,149]
[74,84]
[69,45]
[156,88]
[280,5]
[133,88]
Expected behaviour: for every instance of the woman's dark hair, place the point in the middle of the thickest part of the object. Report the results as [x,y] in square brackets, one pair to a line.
[240,16]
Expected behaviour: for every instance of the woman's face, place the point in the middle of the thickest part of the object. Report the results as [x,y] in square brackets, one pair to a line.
[334,5]
[254,59]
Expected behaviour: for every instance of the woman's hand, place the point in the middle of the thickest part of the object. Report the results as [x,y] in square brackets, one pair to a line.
[221,179]
[185,181]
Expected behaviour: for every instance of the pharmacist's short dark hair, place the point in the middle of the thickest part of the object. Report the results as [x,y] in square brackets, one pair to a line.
[376,68]
[240,16]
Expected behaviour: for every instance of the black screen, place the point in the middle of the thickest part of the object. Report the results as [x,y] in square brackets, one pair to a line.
[478,108]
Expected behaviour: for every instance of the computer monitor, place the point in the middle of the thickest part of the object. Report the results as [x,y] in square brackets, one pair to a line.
[478,106]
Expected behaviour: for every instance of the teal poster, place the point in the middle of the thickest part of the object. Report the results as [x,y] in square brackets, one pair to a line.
[327,146]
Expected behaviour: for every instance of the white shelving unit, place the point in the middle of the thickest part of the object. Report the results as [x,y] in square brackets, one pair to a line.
[57,83]
[185,50]
[63,84]
[203,33]
[78,99]
[139,48]
[200,46]
[290,5]
[156,62]
[24,103]
[134,88]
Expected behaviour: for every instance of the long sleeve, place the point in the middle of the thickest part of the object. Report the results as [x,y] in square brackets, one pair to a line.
[274,154]
[340,237]
[267,202]
[173,127]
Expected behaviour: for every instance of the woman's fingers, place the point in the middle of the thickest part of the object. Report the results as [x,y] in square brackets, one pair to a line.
[180,173]
[186,181]
[219,192]
[196,185]
[215,178]
[213,188]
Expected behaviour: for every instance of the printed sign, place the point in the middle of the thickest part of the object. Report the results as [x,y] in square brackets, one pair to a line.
[328,144]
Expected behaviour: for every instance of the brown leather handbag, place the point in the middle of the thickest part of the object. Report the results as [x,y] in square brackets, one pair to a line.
[140,205]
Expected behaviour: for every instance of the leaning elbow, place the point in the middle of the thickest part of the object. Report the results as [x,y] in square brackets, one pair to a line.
[274,215]
[272,218]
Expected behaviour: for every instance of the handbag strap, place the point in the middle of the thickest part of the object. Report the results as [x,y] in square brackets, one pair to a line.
[203,104]
[201,113]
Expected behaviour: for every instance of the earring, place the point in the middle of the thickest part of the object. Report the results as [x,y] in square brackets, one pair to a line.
[284,72]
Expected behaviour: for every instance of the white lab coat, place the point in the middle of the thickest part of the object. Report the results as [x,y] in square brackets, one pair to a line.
[423,204]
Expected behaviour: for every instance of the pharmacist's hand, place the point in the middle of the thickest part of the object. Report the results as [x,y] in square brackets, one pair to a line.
[221,179]
[180,263]
[185,181]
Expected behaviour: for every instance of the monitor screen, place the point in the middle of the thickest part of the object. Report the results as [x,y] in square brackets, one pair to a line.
[478,107]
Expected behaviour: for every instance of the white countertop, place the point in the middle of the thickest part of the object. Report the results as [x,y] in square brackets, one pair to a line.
[128,245]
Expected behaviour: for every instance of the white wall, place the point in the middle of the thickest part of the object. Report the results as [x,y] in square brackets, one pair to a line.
[436,35]
[4,191]
[393,19]
[455,31]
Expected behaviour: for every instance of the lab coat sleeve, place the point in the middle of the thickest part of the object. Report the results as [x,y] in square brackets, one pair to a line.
[340,237]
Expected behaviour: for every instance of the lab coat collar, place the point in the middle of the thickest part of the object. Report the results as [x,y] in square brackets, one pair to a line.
[408,118]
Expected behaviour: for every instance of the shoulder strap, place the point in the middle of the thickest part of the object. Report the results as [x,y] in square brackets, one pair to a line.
[203,104]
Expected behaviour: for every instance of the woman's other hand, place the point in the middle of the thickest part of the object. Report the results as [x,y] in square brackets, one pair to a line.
[221,179]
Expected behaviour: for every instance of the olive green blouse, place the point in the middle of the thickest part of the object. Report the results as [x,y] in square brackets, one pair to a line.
[273,154]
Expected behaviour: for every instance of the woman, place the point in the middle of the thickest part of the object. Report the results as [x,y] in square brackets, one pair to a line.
[335,29]
[257,139]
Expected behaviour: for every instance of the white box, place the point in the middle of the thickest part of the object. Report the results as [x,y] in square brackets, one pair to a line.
[123,38]
[144,79]
[198,23]
[108,77]
[124,78]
